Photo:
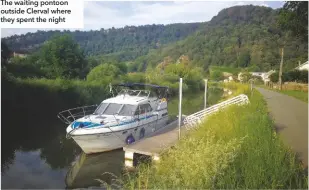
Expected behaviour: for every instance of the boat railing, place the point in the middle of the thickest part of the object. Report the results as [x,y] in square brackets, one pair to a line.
[70,115]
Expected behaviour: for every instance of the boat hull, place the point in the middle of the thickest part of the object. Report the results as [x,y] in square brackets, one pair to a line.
[102,142]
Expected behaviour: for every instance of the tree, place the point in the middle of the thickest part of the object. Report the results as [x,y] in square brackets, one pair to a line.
[104,73]
[274,77]
[294,17]
[134,78]
[216,75]
[5,54]
[246,76]
[244,59]
[63,58]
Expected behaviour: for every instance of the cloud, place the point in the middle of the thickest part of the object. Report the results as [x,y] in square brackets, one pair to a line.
[107,14]
[30,171]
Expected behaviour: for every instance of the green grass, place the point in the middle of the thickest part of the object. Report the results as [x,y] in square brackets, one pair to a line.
[303,96]
[235,149]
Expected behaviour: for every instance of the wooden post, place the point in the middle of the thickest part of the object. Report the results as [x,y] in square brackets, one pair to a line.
[205,95]
[280,71]
[179,106]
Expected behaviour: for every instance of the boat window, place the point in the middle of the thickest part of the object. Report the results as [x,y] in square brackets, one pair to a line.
[112,109]
[137,111]
[127,110]
[144,108]
[153,94]
[148,108]
[100,108]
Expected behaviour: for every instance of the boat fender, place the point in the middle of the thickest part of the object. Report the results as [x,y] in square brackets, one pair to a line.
[130,139]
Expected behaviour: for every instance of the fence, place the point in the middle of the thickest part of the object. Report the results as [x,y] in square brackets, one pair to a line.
[193,119]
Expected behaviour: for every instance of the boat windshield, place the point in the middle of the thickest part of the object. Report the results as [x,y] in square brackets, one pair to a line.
[113,108]
[100,109]
[127,110]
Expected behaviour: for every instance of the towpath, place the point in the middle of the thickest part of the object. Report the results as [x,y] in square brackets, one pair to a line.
[291,121]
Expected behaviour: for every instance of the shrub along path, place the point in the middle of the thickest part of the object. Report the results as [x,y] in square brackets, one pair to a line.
[291,121]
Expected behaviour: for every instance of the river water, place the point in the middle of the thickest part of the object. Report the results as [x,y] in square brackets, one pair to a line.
[36,154]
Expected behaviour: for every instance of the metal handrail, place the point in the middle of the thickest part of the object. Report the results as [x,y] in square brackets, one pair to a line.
[70,115]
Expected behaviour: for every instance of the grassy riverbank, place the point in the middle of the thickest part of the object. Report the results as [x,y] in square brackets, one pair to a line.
[303,96]
[236,148]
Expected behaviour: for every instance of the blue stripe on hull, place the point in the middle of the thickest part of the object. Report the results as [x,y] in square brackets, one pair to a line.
[88,124]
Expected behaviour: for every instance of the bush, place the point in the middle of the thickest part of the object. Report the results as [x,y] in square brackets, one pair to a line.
[296,76]
[274,77]
[104,73]
[291,76]
[216,75]
[246,76]
[134,78]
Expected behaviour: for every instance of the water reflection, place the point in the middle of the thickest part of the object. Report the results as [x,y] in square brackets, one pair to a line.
[30,171]
[87,168]
[36,154]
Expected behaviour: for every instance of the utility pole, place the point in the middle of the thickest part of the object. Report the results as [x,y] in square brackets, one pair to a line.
[205,95]
[179,107]
[280,71]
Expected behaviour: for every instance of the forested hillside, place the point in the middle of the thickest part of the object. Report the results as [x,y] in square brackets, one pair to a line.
[128,42]
[240,36]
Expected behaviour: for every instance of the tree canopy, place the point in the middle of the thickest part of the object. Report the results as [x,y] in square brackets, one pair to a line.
[62,57]
[294,17]
[104,73]
[5,53]
[238,37]
[125,43]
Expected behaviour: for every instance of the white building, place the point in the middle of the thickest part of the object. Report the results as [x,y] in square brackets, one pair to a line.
[304,66]
[230,78]
[264,75]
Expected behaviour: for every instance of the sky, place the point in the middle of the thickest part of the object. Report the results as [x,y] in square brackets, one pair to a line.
[107,14]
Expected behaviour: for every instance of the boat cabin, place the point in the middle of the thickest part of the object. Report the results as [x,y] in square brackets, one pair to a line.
[131,103]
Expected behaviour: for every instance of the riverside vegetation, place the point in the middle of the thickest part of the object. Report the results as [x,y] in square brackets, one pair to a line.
[241,151]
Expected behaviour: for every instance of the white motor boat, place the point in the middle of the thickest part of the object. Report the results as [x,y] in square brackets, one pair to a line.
[128,117]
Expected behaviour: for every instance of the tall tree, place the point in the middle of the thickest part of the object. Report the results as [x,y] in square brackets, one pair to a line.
[5,54]
[63,58]
[294,17]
